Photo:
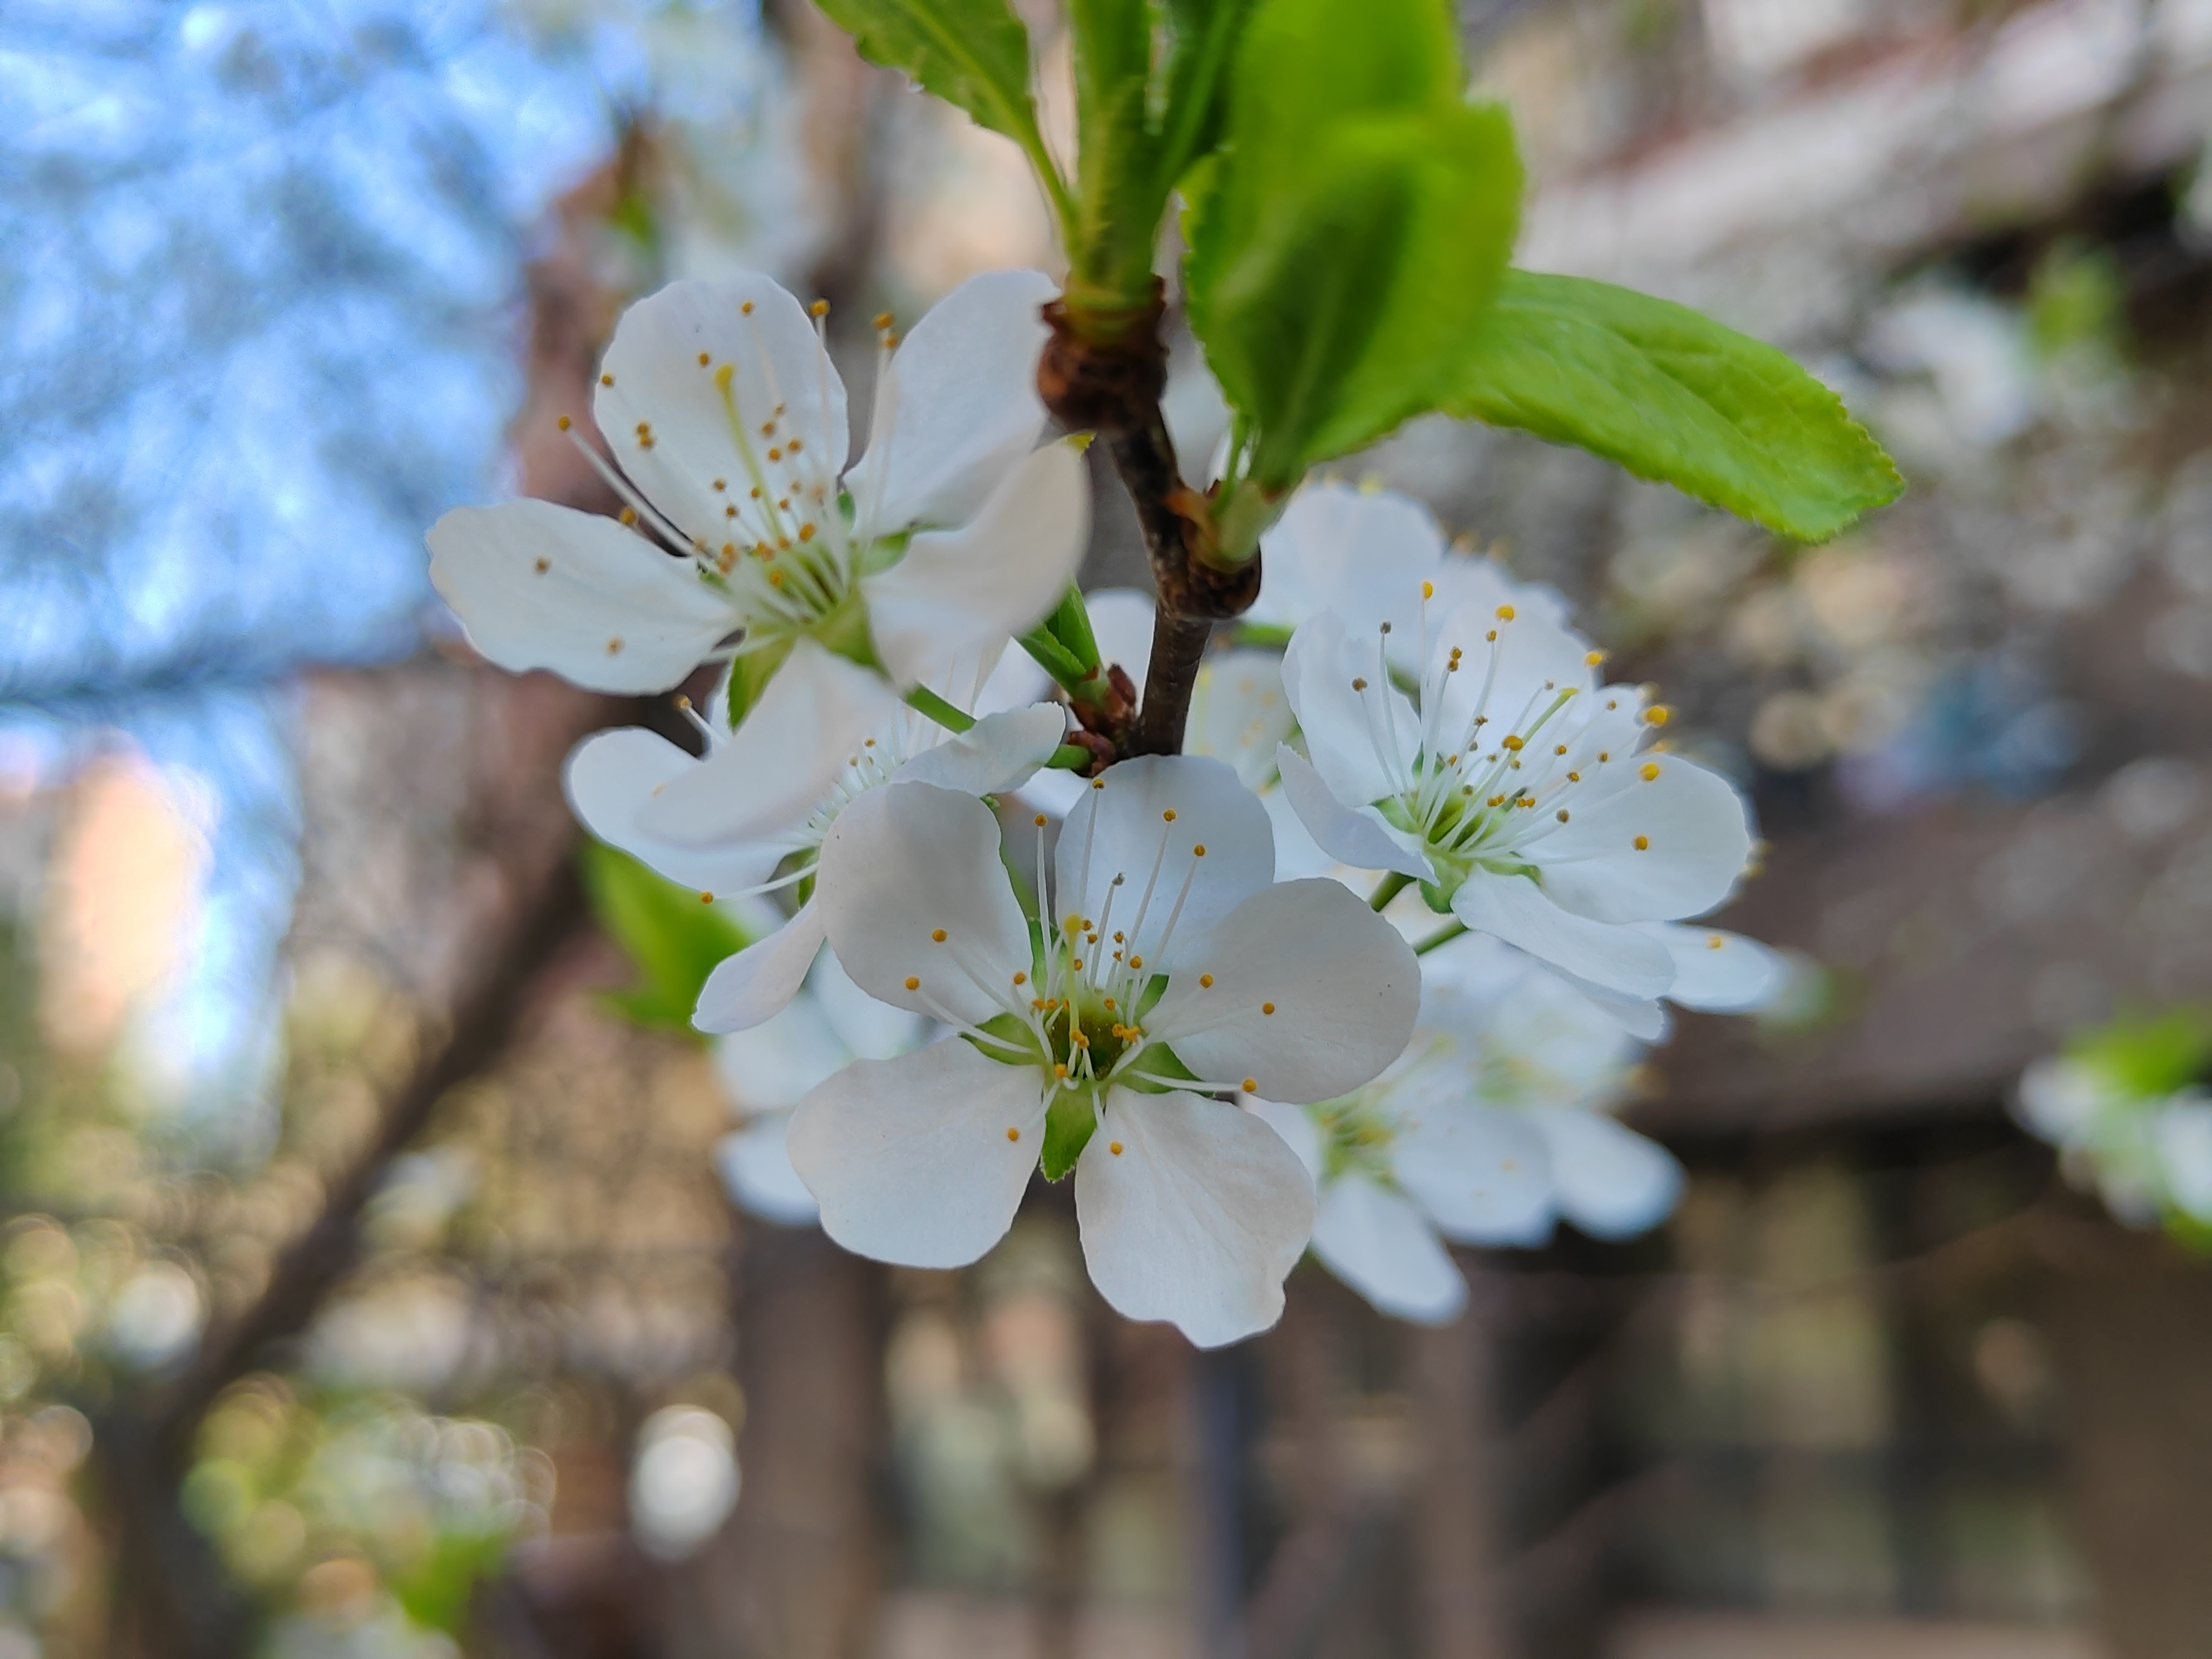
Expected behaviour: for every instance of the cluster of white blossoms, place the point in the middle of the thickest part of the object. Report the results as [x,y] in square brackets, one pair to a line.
[1362,971]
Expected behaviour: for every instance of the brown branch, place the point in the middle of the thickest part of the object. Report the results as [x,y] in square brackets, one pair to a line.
[1103,372]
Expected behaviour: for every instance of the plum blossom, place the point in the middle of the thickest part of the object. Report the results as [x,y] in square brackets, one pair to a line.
[749,816]
[768,1069]
[2129,1119]
[1166,965]
[1514,786]
[1487,1130]
[728,419]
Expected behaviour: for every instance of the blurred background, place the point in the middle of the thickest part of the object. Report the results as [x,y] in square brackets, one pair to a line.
[367,1285]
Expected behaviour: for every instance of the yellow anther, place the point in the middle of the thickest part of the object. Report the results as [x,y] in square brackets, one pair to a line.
[544,565]
[1251,1086]
[1134,961]
[628,515]
[1657,715]
[774,454]
[705,358]
[1168,816]
[1012,1133]
[1109,1009]
[1097,783]
[794,446]
[817,308]
[1563,815]
[1714,941]
[913,983]
[1359,685]
[1574,777]
[1648,771]
[775,579]
[882,320]
[1513,743]
[606,380]
[1077,964]
[613,646]
[1428,589]
[1206,981]
[1021,979]
[706,898]
[1603,756]
[746,309]
[1491,636]
[1060,1071]
[563,423]
[937,934]
[1040,820]
[1198,851]
[1561,749]
[1495,800]
[1594,658]
[1267,1007]
[1115,1147]
[1643,843]
[1506,613]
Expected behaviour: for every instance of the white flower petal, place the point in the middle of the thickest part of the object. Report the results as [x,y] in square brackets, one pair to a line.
[539,586]
[1361,733]
[1121,621]
[779,373]
[1297,853]
[1378,1242]
[2182,1132]
[1151,814]
[1355,835]
[1513,908]
[756,1167]
[1197,415]
[1196,1219]
[1296,1126]
[768,777]
[1361,554]
[903,863]
[1535,661]
[1609,1181]
[1718,972]
[1313,994]
[761,980]
[960,404]
[1240,714]
[998,752]
[1670,844]
[1484,1176]
[611,778]
[911,1158]
[1053,792]
[998,575]
[770,1067]
[869,1030]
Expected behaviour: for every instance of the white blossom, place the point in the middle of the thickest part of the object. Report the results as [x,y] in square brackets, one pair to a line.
[728,421]
[1167,964]
[749,816]
[1515,784]
[1489,1129]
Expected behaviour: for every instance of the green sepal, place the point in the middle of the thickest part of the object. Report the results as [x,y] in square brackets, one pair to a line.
[1673,396]
[1070,625]
[1160,1061]
[1069,1123]
[1049,654]
[674,940]
[748,678]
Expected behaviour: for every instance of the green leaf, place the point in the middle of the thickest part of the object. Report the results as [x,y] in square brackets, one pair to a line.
[1117,208]
[1203,36]
[1674,396]
[1346,239]
[972,53]
[1335,303]
[2145,1059]
[674,939]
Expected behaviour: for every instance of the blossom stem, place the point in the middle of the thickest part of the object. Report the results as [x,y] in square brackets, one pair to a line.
[1444,935]
[1069,758]
[1393,883]
[927,702]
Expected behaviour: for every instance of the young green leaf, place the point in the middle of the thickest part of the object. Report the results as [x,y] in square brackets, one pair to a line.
[1673,396]
[972,53]
[674,940]
[1338,305]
